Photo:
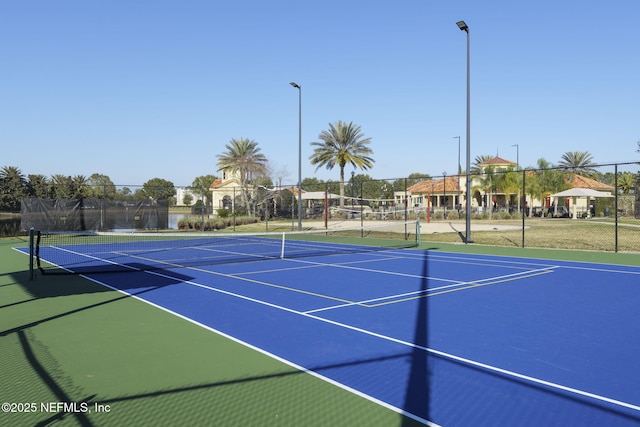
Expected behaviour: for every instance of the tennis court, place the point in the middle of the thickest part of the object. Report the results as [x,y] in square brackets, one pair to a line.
[444,338]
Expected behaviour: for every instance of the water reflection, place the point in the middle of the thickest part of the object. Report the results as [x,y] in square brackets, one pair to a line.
[9,225]
[174,219]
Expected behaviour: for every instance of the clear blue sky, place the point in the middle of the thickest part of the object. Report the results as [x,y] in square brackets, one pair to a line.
[143,89]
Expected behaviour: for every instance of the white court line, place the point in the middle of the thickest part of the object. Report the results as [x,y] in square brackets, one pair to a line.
[258,349]
[603,270]
[525,261]
[414,346]
[428,291]
[371,333]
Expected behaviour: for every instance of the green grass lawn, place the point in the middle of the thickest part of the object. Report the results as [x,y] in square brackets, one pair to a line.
[596,234]
[590,235]
[66,339]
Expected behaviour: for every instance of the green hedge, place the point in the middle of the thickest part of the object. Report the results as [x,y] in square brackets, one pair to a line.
[195,223]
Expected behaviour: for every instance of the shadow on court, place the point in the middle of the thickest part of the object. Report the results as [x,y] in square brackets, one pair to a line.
[67,339]
[284,396]
[418,398]
[159,380]
[65,288]
[273,394]
[57,285]
[435,378]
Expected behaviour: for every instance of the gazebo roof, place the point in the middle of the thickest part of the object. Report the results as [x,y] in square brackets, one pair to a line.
[581,192]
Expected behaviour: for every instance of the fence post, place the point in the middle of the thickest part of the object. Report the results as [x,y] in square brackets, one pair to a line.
[406,203]
[361,210]
[615,190]
[31,249]
[524,205]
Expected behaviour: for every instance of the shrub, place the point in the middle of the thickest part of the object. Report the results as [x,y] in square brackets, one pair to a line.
[453,215]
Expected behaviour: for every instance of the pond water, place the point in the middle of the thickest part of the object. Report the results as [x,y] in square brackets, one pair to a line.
[10,224]
[174,219]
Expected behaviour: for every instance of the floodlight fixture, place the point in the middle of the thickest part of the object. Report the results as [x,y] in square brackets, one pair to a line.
[463,26]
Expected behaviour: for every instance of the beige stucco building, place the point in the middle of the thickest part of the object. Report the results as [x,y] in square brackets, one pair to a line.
[449,192]
[225,190]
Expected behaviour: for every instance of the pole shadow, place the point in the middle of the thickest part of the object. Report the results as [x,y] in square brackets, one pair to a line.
[418,393]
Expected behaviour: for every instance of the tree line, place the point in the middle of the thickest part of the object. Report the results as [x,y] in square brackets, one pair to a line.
[14,186]
[342,145]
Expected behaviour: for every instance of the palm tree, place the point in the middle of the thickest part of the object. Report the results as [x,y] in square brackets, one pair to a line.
[550,180]
[342,144]
[509,182]
[244,159]
[533,187]
[11,173]
[578,162]
[13,186]
[62,186]
[476,169]
[81,187]
[626,182]
[487,184]
[37,186]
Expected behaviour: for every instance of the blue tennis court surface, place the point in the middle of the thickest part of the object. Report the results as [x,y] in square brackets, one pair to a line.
[447,339]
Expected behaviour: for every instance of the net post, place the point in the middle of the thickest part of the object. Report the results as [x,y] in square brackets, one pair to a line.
[418,234]
[615,185]
[31,251]
[524,207]
[282,247]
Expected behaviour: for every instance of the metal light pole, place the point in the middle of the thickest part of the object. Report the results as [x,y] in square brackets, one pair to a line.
[353,215]
[444,194]
[458,175]
[464,27]
[518,167]
[297,86]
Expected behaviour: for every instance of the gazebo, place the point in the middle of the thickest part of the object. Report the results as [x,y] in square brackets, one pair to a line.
[574,193]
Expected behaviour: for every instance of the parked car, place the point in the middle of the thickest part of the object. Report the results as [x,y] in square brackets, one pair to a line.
[558,212]
[538,211]
[551,212]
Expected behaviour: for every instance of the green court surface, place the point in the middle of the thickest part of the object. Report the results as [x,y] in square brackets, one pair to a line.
[73,352]
[123,362]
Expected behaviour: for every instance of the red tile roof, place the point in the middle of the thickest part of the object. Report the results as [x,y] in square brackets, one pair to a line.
[435,186]
[497,161]
[579,181]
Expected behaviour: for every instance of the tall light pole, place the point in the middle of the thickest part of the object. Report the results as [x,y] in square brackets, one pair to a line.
[518,167]
[517,155]
[297,86]
[458,175]
[444,195]
[464,27]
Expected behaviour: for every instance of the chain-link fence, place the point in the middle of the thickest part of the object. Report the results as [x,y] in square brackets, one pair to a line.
[597,208]
[547,207]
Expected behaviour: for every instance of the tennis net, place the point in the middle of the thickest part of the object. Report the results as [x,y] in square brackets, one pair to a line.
[101,252]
